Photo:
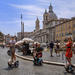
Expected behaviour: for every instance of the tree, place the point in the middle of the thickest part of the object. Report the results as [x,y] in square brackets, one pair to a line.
[1,37]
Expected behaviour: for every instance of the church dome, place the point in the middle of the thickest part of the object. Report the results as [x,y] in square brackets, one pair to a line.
[45,12]
[51,14]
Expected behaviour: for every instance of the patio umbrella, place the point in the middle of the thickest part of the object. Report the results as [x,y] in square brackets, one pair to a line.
[19,42]
[28,40]
[36,43]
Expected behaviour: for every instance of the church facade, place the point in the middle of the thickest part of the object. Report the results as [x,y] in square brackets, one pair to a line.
[47,34]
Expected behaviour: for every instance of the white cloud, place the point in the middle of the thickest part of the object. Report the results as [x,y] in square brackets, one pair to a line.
[65,9]
[18,22]
[31,12]
[61,8]
[28,7]
[9,22]
[29,25]
[45,1]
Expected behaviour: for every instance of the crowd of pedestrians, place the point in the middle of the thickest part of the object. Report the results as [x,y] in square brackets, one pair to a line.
[68,48]
[56,47]
[53,47]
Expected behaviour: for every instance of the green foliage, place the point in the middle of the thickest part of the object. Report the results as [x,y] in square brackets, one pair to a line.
[1,37]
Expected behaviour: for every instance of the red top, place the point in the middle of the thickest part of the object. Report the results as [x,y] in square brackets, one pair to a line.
[68,49]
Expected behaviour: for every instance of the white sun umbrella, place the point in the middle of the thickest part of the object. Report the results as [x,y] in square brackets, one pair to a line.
[19,42]
[36,43]
[28,40]
[58,43]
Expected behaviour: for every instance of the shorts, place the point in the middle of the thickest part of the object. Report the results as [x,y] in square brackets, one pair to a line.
[12,51]
[51,49]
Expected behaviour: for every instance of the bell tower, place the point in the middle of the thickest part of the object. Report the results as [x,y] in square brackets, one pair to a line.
[37,27]
[50,8]
[45,18]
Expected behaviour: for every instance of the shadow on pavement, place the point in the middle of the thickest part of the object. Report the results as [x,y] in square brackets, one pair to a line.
[66,73]
[7,68]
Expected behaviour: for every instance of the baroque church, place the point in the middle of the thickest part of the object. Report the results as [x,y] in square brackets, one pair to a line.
[47,34]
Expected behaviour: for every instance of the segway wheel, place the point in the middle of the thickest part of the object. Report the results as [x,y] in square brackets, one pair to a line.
[9,52]
[41,63]
[10,65]
[16,64]
[34,63]
[68,70]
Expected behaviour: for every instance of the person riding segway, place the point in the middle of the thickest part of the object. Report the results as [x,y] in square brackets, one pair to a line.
[68,55]
[37,55]
[12,61]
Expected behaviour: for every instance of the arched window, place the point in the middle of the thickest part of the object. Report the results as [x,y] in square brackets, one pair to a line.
[46,17]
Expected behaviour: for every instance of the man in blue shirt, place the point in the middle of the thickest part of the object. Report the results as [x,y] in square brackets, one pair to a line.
[51,48]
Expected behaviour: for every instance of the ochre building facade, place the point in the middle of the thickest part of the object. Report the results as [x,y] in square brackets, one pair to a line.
[65,29]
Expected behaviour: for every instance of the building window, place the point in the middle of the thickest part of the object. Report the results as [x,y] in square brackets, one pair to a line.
[62,34]
[66,27]
[46,17]
[73,32]
[69,26]
[66,34]
[57,35]
[73,25]
[56,29]
[53,23]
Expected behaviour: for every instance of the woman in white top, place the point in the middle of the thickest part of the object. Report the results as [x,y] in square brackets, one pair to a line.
[12,48]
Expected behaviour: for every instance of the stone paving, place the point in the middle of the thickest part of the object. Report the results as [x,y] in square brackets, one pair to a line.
[27,67]
[46,56]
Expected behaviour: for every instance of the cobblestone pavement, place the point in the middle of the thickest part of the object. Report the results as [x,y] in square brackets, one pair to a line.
[27,67]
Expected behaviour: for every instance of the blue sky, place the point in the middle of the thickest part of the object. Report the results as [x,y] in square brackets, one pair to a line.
[10,11]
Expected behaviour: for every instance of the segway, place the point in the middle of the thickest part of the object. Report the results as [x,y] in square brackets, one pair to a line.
[10,63]
[38,62]
[13,64]
[69,68]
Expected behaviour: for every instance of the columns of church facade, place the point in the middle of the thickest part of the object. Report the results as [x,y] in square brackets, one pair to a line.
[45,38]
[52,36]
[42,38]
